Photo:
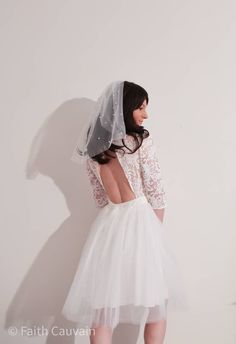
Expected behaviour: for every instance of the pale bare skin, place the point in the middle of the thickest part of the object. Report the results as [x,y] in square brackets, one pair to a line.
[118,190]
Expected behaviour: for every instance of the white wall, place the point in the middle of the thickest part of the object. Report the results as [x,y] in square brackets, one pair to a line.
[56,57]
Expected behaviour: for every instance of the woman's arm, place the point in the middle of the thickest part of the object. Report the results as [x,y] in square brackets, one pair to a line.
[160,213]
[151,177]
[99,194]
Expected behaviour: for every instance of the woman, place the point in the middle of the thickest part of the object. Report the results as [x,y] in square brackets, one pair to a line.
[126,272]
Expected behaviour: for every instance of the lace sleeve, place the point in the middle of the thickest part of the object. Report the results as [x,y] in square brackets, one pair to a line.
[99,194]
[151,174]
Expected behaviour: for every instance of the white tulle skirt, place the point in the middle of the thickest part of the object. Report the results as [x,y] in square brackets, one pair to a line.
[126,273]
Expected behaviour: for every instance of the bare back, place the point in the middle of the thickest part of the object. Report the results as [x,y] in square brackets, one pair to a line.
[115,181]
[128,176]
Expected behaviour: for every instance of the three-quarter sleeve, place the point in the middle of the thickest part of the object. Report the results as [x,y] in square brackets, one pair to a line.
[99,194]
[151,174]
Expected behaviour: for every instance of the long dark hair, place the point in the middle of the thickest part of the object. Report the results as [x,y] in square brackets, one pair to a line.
[133,97]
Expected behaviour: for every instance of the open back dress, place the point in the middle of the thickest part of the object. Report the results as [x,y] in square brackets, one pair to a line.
[127,272]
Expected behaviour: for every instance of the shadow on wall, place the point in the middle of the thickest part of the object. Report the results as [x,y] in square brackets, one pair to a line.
[43,290]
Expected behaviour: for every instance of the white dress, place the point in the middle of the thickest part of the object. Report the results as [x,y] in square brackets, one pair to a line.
[126,270]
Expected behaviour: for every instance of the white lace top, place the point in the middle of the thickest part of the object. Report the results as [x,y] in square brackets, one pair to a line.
[142,170]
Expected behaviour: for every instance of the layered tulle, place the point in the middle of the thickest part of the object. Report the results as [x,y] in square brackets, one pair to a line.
[126,273]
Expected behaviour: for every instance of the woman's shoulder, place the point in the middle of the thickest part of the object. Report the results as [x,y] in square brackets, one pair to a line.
[147,143]
[91,164]
[146,140]
[130,141]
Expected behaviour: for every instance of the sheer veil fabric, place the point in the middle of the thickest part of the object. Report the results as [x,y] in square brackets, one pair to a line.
[105,125]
